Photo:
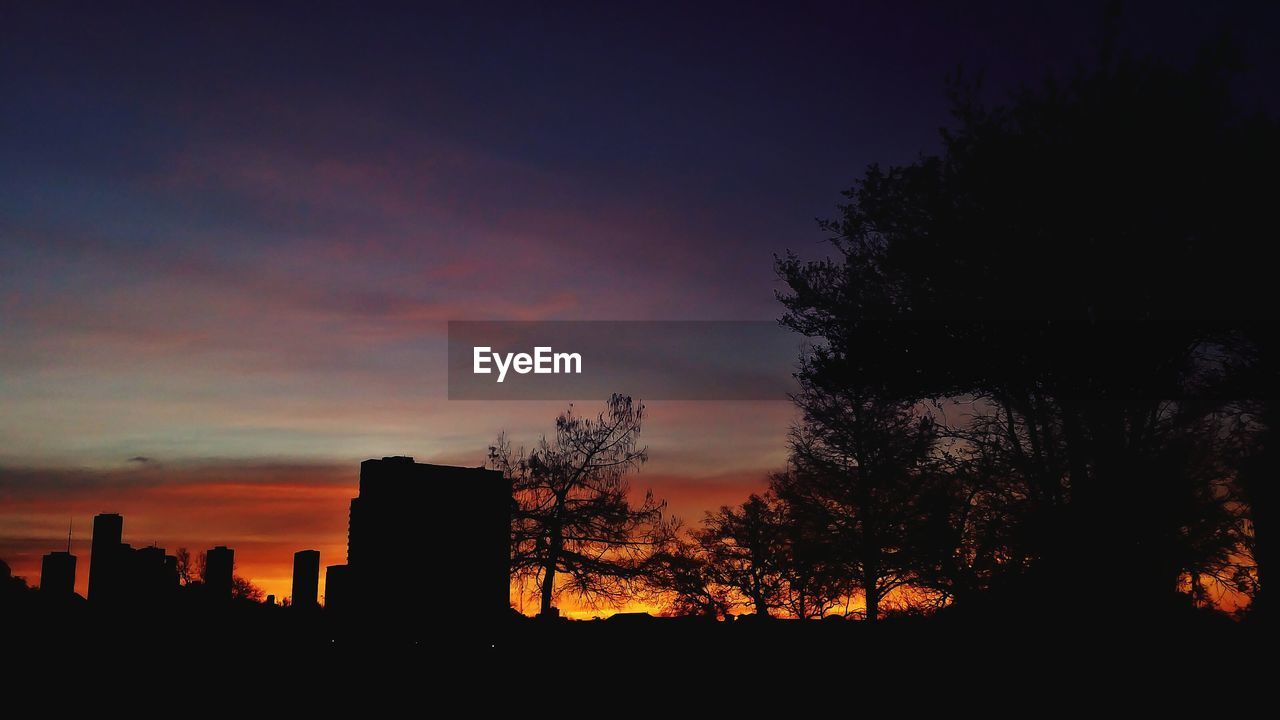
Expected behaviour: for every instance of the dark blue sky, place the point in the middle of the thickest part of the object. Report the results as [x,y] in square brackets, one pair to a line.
[226,207]
[729,125]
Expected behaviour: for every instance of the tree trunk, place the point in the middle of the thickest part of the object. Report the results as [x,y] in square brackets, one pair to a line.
[762,607]
[545,609]
[871,588]
[548,586]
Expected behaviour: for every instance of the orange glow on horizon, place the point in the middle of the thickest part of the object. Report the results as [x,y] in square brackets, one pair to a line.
[265,512]
[268,512]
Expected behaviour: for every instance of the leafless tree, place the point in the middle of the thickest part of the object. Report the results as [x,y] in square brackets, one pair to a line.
[680,577]
[243,589]
[574,528]
[186,567]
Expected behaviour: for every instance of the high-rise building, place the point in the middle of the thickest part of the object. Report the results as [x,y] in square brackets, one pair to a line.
[219,564]
[122,575]
[152,575]
[58,574]
[106,571]
[335,588]
[171,571]
[306,578]
[428,541]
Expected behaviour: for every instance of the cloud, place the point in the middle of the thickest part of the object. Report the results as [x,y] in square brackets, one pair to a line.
[41,485]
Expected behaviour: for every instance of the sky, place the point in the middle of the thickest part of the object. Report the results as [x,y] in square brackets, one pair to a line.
[231,236]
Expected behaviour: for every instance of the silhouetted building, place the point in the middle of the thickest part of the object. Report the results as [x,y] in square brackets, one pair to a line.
[106,571]
[121,575]
[306,578]
[219,564]
[171,570]
[152,575]
[335,587]
[426,541]
[58,574]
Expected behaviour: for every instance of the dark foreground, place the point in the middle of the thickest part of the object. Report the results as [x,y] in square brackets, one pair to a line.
[910,666]
[249,643]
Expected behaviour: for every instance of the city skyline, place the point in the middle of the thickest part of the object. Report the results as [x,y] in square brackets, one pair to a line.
[316,500]
[398,503]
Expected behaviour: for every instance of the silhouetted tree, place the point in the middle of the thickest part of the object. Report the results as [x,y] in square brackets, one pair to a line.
[992,501]
[743,549]
[764,554]
[973,530]
[857,472]
[1249,381]
[574,528]
[680,576]
[1068,263]
[812,563]
[243,589]
[187,571]
[198,565]
[1212,538]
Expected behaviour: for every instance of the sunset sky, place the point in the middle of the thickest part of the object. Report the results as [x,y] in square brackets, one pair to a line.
[230,239]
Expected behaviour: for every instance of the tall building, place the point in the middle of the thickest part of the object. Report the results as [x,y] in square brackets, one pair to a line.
[219,564]
[122,575]
[170,571]
[428,541]
[152,575]
[106,571]
[306,578]
[335,588]
[58,574]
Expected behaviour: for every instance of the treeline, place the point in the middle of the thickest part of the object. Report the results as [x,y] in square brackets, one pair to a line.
[1042,376]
